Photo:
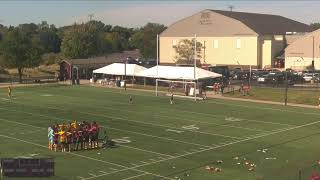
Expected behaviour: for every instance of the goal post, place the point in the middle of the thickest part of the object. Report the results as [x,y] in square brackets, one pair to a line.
[184,89]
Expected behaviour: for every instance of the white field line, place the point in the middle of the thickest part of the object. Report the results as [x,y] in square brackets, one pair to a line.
[120,145]
[206,114]
[169,139]
[86,157]
[191,153]
[94,175]
[152,152]
[133,177]
[15,122]
[229,104]
[60,119]
[125,119]
[174,117]
[130,147]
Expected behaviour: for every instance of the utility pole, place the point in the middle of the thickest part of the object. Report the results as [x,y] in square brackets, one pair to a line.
[125,74]
[90,17]
[231,7]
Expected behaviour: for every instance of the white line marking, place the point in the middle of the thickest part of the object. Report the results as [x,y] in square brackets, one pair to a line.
[169,139]
[235,142]
[132,177]
[160,125]
[103,172]
[146,162]
[126,119]
[185,119]
[210,102]
[86,157]
[214,102]
[133,164]
[80,177]
[92,174]
[201,121]
[113,169]
[173,130]
[21,123]
[121,145]
[46,95]
[145,150]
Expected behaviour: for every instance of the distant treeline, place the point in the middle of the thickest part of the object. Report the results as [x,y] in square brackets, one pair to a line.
[28,45]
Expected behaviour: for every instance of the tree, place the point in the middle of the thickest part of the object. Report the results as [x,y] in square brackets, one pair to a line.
[145,39]
[49,38]
[90,39]
[20,50]
[185,51]
[114,41]
[315,26]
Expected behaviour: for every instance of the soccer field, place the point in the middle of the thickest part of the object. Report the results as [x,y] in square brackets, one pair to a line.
[163,141]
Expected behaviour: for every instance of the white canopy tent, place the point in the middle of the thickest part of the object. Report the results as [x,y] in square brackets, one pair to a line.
[120,69]
[178,73]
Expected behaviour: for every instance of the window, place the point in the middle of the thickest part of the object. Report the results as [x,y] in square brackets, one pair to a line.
[215,44]
[174,43]
[238,44]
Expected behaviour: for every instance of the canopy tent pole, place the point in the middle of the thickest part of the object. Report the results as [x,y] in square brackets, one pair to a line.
[125,74]
[156,87]
[194,90]
[195,56]
[194,68]
[157,53]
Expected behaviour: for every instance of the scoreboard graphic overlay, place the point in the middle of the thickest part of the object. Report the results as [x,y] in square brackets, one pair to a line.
[26,167]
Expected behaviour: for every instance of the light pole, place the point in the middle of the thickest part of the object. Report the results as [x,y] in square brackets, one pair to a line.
[125,74]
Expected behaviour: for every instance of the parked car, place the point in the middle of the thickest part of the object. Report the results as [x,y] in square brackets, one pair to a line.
[308,76]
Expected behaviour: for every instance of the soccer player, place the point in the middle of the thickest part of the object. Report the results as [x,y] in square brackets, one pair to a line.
[130,99]
[63,137]
[56,137]
[9,92]
[51,138]
[171,98]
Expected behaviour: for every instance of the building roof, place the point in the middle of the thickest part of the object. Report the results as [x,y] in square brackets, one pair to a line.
[218,23]
[306,46]
[266,24]
[104,60]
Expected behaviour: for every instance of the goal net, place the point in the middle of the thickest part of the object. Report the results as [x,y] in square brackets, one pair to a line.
[184,89]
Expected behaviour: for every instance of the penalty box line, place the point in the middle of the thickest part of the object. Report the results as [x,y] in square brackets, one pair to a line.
[86,157]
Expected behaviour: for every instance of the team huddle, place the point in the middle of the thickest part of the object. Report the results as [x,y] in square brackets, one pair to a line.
[73,136]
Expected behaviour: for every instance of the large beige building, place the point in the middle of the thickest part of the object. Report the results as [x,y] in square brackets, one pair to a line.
[300,53]
[231,38]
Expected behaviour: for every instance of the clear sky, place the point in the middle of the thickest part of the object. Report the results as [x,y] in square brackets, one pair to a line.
[137,13]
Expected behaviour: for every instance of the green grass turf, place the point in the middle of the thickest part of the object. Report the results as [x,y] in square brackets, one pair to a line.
[223,130]
[295,95]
